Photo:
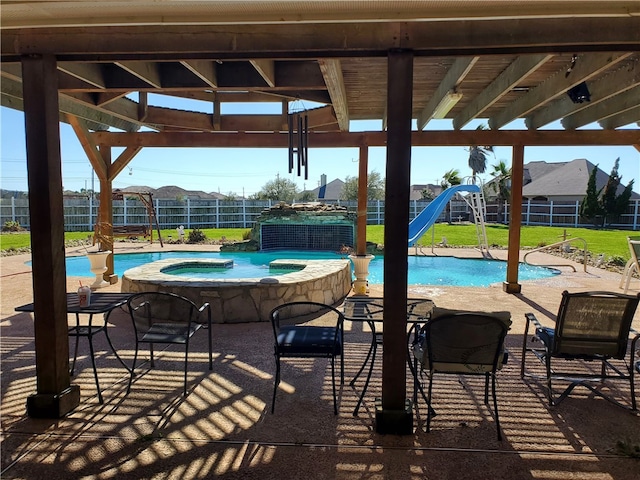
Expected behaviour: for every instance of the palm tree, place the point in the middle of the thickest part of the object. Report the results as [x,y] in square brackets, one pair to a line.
[478,156]
[501,184]
[451,178]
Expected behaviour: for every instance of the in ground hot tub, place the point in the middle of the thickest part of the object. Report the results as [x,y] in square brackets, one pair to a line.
[245,299]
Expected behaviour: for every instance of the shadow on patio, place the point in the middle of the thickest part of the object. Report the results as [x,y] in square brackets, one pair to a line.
[223,428]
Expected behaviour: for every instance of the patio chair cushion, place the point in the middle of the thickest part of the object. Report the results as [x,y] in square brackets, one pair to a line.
[311,340]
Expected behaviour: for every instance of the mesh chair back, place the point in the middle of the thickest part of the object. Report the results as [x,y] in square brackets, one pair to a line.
[634,247]
[464,343]
[594,323]
[151,308]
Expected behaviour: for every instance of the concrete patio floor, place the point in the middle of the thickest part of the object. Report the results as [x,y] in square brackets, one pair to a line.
[224,429]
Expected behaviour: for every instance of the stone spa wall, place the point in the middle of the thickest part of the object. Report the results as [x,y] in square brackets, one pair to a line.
[246,299]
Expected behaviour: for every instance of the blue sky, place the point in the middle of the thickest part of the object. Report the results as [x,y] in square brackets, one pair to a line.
[245,171]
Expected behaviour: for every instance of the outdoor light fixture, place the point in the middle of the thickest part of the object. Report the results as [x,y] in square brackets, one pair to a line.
[579,93]
[446,104]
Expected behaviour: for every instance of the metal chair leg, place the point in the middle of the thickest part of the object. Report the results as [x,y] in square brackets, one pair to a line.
[333,386]
[186,365]
[275,384]
[495,406]
[75,355]
[133,368]
[95,370]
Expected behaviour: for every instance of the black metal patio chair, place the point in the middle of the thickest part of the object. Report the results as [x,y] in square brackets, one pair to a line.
[167,318]
[294,338]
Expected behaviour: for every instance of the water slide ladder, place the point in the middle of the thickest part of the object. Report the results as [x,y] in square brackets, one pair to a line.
[476,202]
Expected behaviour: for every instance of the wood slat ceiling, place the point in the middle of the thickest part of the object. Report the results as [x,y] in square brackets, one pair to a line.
[106,73]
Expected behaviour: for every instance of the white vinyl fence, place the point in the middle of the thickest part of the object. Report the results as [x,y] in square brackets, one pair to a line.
[80,213]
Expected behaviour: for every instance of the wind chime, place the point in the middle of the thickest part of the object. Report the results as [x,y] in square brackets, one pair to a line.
[298,128]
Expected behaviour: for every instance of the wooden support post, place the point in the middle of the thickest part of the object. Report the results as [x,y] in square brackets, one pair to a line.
[55,395]
[515,221]
[393,415]
[361,234]
[106,214]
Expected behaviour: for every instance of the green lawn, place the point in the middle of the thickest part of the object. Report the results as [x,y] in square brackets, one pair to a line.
[610,242]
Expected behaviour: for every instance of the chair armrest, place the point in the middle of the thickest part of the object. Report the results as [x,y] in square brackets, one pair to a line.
[634,341]
[206,306]
[532,318]
[143,304]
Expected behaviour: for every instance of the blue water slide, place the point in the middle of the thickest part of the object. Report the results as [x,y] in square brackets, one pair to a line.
[427,217]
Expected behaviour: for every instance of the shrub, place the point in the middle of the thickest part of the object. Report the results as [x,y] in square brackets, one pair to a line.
[617,260]
[12,226]
[196,236]
[246,235]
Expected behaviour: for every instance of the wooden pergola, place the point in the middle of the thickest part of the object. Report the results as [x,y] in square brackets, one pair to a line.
[391,61]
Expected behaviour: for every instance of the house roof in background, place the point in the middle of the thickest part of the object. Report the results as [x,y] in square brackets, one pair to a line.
[173,192]
[416,190]
[563,179]
[330,191]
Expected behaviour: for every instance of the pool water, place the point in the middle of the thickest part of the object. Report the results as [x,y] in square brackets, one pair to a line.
[445,271]
[210,272]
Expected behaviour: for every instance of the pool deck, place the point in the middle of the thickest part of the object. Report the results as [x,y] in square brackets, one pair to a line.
[224,428]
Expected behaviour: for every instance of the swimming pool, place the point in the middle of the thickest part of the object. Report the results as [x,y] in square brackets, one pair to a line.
[445,271]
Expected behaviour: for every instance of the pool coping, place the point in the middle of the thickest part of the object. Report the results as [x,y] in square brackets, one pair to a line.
[235,300]
[308,269]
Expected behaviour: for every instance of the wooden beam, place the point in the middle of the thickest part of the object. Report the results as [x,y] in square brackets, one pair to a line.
[106,97]
[459,138]
[121,162]
[621,119]
[90,73]
[205,70]
[55,396]
[89,147]
[143,106]
[266,69]
[148,72]
[332,72]
[460,68]
[16,103]
[324,40]
[69,104]
[237,97]
[11,71]
[321,117]
[108,114]
[105,214]
[298,12]
[511,284]
[624,78]
[392,417]
[519,69]
[600,111]
[361,225]
[585,67]
[217,114]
